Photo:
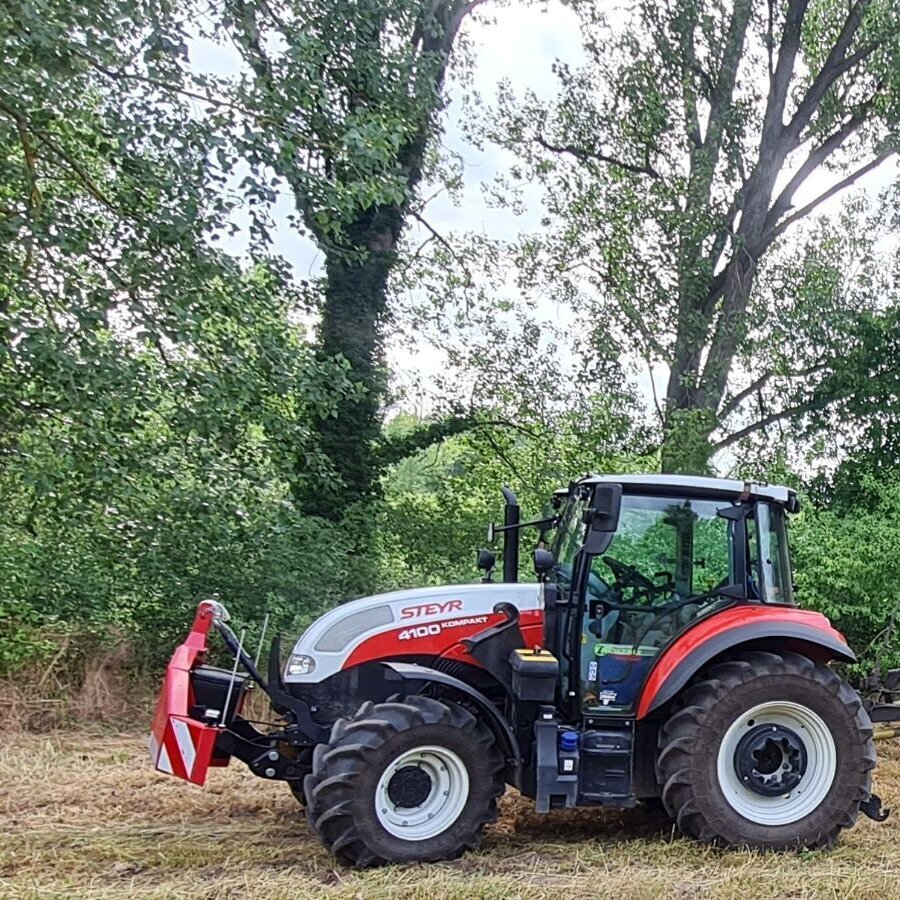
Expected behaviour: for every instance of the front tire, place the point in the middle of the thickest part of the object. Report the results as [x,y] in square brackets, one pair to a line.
[412,781]
[771,751]
[303,764]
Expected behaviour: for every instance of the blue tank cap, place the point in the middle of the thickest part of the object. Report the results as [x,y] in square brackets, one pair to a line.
[568,741]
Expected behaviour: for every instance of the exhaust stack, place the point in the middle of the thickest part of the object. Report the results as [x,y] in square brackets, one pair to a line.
[511,518]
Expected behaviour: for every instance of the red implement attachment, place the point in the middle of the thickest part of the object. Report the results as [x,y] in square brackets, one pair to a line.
[179,745]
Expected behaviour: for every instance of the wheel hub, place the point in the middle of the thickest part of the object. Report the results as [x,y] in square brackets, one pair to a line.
[770,760]
[409,787]
[421,793]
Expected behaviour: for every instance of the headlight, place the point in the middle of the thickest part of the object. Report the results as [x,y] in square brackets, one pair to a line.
[299,664]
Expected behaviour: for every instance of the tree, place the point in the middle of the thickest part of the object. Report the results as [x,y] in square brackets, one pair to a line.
[341,102]
[155,393]
[679,163]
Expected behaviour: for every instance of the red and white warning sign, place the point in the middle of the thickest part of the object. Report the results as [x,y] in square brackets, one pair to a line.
[185,750]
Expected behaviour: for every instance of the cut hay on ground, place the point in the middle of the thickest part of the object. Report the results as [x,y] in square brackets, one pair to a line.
[86,817]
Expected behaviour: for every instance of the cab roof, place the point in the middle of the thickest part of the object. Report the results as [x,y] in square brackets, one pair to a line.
[693,484]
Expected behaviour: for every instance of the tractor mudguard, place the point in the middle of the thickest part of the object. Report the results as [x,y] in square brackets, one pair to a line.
[783,627]
[416,678]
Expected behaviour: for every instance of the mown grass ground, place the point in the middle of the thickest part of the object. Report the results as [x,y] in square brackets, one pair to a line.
[85,816]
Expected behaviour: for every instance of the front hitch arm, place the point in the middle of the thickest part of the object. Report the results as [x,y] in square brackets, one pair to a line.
[234,645]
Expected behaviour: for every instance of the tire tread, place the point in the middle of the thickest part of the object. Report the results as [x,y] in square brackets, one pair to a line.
[330,789]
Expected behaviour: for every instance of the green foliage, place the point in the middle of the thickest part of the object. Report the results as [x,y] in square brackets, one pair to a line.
[341,101]
[167,425]
[158,399]
[686,441]
[848,568]
[438,503]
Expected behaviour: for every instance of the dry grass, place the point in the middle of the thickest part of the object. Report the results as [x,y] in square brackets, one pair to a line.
[84,816]
[78,683]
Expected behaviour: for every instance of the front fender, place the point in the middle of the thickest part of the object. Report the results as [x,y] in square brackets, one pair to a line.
[417,678]
[778,627]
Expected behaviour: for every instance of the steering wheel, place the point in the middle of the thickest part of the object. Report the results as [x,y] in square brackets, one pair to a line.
[667,609]
[629,576]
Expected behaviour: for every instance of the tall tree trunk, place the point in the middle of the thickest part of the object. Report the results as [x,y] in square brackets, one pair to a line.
[355,303]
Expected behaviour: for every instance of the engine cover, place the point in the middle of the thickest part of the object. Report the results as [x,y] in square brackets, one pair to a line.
[422,622]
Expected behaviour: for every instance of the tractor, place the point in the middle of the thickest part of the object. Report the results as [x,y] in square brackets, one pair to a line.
[657,657]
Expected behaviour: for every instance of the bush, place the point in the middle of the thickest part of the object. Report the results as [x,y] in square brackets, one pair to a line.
[847,566]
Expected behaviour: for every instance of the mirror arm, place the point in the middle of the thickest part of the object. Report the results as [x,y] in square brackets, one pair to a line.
[547,523]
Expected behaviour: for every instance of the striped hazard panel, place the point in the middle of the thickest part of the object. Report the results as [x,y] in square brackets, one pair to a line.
[185,750]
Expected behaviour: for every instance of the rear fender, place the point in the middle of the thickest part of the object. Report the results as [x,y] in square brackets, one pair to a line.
[758,627]
[417,678]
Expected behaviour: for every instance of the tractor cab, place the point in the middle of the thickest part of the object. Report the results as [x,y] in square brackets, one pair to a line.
[637,560]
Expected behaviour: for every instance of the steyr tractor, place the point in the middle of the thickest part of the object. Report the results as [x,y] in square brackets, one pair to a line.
[657,657]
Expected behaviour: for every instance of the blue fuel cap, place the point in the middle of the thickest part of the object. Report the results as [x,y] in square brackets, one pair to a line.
[568,741]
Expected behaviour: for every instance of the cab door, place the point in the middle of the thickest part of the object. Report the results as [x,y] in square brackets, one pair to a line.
[670,562]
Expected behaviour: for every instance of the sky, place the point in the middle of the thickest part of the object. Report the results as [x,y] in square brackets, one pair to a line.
[514,42]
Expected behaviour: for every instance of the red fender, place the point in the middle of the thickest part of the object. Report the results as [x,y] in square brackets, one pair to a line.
[786,627]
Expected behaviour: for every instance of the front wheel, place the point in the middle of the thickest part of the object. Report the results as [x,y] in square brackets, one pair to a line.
[770,750]
[413,781]
[303,766]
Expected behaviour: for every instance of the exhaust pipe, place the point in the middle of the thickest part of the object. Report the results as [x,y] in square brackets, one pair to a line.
[511,518]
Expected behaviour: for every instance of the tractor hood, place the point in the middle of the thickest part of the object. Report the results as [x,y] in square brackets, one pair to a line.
[411,623]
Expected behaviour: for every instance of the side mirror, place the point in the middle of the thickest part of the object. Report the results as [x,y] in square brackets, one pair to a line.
[544,561]
[603,517]
[490,533]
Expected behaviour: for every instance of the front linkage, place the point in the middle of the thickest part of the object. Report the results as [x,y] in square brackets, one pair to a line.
[197,724]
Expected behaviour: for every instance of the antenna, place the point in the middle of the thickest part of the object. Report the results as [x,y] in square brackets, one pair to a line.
[262,638]
[237,659]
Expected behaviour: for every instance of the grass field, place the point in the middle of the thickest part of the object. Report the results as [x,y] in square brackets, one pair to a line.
[85,816]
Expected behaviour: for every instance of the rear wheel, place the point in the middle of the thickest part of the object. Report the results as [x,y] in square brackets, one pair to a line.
[400,782]
[770,751]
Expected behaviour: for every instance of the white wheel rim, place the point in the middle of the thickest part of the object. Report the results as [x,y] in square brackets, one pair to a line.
[821,765]
[445,800]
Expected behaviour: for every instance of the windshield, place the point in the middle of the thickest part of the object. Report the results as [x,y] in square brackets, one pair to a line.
[666,548]
[568,539]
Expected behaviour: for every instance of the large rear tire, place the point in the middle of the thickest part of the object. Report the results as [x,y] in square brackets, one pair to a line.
[771,751]
[412,781]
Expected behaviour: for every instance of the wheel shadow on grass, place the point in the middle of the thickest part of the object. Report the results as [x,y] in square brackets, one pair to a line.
[518,823]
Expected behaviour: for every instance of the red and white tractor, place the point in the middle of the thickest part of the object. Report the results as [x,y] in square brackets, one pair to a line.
[658,655]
